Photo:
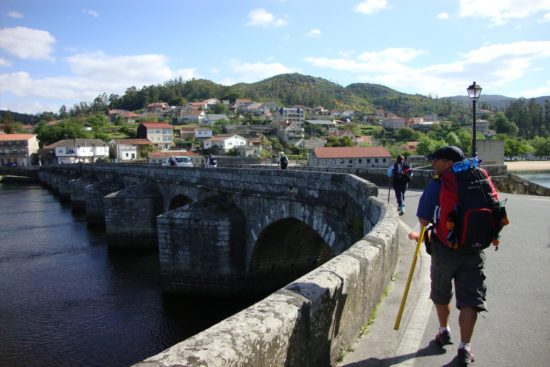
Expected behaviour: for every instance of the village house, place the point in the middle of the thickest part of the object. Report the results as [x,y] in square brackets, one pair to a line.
[160,134]
[291,132]
[192,116]
[16,149]
[68,151]
[289,115]
[212,118]
[224,142]
[350,157]
[127,116]
[128,150]
[202,132]
[393,122]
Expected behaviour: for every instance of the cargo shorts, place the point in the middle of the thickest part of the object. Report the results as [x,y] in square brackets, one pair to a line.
[467,271]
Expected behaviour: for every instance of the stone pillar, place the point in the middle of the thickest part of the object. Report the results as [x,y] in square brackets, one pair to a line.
[78,194]
[95,209]
[131,216]
[64,189]
[201,249]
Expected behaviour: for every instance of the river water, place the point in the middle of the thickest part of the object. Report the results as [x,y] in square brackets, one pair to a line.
[67,300]
[540,177]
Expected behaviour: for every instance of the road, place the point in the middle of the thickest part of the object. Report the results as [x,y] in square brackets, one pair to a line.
[515,331]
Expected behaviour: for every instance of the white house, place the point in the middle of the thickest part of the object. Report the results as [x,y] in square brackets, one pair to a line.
[79,150]
[127,150]
[224,142]
[393,123]
[17,149]
[350,157]
[203,133]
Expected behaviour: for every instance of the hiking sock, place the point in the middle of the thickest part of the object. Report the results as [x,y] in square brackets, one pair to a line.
[442,329]
[466,346]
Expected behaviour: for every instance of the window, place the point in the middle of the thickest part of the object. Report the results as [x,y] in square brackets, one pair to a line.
[360,161]
[368,160]
[376,160]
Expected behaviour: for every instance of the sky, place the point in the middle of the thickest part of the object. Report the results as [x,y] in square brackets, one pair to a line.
[63,52]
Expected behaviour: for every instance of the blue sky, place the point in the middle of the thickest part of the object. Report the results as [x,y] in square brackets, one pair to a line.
[62,52]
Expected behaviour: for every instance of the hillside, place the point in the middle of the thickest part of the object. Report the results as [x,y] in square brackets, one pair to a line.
[298,89]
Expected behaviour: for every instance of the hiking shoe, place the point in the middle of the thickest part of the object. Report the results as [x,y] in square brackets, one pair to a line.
[465,357]
[444,338]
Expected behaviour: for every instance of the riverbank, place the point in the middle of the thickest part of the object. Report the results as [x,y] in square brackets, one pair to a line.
[526,166]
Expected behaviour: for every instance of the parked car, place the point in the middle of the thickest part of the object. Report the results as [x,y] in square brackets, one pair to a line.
[178,161]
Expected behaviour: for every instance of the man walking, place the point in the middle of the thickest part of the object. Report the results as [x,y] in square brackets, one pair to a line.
[466,269]
[401,176]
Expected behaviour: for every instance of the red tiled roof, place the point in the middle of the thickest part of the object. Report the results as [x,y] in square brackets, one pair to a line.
[352,152]
[12,137]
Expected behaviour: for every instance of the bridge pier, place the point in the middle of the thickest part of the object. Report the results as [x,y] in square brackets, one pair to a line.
[64,189]
[131,216]
[78,195]
[201,249]
[94,193]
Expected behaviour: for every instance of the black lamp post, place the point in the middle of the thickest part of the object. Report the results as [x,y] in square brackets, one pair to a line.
[474,91]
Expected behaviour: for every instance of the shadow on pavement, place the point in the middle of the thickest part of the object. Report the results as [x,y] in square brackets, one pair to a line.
[432,349]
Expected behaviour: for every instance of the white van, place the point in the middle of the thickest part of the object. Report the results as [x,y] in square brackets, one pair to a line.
[179,161]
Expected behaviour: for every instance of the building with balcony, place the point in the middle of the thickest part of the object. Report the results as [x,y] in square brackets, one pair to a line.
[159,133]
[16,149]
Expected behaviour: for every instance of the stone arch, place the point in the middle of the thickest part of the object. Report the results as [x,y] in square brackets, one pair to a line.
[178,201]
[285,250]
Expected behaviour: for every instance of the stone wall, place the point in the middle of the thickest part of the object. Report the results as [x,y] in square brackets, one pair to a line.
[515,184]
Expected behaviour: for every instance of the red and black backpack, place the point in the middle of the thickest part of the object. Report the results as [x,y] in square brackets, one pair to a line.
[470,215]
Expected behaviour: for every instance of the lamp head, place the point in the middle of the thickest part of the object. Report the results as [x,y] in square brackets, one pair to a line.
[474,91]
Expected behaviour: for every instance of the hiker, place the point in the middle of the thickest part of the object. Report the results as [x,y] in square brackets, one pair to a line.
[172,161]
[400,173]
[448,263]
[283,160]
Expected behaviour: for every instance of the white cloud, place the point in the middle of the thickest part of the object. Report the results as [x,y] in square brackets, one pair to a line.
[370,6]
[93,74]
[253,72]
[443,16]
[499,65]
[15,14]
[314,33]
[27,43]
[262,18]
[4,63]
[545,18]
[499,12]
[91,13]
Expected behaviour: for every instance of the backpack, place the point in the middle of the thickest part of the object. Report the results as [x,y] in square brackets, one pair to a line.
[470,214]
[284,160]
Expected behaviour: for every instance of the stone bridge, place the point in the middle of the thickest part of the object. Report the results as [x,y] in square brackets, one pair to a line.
[325,235]
[222,231]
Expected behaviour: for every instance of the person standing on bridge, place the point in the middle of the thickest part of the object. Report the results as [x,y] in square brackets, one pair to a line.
[466,269]
[283,160]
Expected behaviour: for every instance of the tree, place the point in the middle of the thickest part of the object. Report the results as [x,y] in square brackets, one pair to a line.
[406,134]
[517,147]
[541,146]
[427,145]
[505,126]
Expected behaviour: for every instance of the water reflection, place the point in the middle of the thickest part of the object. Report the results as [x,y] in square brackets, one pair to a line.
[67,300]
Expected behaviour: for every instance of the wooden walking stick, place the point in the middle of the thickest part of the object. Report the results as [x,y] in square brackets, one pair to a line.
[411,272]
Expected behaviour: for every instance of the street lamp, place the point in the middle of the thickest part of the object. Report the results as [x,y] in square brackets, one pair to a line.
[474,91]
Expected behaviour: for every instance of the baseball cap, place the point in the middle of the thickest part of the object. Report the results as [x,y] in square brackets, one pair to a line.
[450,153]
